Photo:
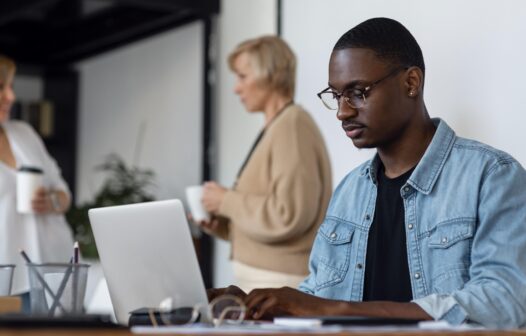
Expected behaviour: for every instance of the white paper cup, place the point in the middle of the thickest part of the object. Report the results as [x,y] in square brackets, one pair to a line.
[194,194]
[28,180]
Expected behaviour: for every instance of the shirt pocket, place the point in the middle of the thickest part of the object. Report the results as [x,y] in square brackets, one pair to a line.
[447,234]
[333,252]
[450,247]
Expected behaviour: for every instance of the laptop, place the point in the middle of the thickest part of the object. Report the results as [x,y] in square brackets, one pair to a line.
[147,256]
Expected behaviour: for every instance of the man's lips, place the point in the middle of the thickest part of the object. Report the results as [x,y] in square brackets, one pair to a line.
[352,129]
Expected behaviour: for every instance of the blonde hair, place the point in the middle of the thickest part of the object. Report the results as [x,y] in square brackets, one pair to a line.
[272,60]
[7,67]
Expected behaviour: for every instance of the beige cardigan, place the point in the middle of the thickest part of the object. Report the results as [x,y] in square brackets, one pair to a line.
[281,197]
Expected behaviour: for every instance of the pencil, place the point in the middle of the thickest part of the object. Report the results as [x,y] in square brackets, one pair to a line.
[76,252]
[75,278]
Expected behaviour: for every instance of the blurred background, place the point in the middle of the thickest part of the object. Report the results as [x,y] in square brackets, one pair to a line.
[135,101]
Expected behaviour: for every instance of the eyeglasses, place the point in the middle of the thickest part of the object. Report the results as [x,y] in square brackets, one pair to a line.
[223,310]
[354,97]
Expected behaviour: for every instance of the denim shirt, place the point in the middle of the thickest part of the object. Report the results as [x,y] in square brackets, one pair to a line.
[465,221]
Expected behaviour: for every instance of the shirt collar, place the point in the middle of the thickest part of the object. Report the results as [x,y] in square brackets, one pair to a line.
[428,169]
[430,166]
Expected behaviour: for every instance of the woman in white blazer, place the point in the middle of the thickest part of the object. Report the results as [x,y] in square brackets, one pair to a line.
[44,235]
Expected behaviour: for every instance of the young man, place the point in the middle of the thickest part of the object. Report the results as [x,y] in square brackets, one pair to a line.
[433,227]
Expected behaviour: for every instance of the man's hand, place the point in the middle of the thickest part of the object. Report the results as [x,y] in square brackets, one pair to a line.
[270,302]
[230,290]
[213,195]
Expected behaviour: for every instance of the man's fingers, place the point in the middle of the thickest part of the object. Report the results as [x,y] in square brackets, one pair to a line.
[236,291]
[269,303]
[253,299]
[212,293]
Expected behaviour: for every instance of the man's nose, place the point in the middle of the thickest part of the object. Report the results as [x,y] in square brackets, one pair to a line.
[345,111]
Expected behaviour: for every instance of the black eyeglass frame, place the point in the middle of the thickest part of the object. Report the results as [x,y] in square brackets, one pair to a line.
[364,93]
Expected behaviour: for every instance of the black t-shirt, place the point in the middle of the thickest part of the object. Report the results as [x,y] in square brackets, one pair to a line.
[386,268]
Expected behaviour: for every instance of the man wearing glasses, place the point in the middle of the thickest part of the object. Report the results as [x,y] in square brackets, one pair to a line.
[433,227]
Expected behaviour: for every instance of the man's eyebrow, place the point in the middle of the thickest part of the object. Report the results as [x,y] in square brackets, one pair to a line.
[350,85]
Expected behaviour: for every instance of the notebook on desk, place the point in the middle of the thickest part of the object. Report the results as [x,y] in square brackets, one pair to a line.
[147,256]
[317,321]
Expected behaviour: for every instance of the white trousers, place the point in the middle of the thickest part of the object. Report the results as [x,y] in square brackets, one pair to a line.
[248,278]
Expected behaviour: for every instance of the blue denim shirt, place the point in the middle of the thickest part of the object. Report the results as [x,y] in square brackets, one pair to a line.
[465,220]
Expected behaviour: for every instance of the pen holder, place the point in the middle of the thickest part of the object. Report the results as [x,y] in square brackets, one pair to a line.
[57,289]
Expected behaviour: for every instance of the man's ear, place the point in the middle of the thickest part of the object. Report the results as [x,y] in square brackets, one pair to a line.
[414,80]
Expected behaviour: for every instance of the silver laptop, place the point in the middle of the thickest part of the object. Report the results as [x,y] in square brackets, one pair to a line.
[147,256]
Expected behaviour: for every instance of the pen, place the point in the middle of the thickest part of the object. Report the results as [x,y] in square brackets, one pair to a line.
[61,288]
[40,278]
[76,252]
[75,277]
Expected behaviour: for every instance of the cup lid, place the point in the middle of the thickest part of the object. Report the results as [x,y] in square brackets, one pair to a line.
[31,169]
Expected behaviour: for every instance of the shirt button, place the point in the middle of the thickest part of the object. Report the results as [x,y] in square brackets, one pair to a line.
[367,217]
[333,235]
[417,275]
[359,266]
[444,240]
[406,189]
[410,226]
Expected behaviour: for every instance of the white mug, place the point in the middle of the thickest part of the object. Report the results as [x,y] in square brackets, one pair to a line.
[28,180]
[194,194]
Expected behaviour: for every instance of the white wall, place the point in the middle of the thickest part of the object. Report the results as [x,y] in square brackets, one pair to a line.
[475,70]
[236,130]
[154,87]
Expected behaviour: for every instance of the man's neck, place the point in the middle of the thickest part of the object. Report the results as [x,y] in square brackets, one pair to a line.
[404,154]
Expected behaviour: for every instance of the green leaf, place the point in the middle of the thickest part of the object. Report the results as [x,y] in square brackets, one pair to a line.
[122,185]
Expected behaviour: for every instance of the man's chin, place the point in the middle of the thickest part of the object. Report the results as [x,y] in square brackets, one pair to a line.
[362,144]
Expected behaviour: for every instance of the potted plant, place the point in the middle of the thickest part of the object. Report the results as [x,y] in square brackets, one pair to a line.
[122,185]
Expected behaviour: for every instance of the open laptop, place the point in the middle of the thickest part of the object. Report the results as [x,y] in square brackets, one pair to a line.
[147,255]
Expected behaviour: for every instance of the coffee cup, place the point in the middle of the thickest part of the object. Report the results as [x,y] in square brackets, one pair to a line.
[194,194]
[28,180]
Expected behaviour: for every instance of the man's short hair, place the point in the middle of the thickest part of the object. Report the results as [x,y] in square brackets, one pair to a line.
[272,60]
[389,40]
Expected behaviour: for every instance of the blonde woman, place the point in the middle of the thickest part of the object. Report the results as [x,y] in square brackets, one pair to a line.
[272,213]
[44,235]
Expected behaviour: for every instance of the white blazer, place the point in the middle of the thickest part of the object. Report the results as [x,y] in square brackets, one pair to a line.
[45,238]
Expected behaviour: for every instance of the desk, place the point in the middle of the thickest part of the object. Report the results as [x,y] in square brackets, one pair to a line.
[125,332]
